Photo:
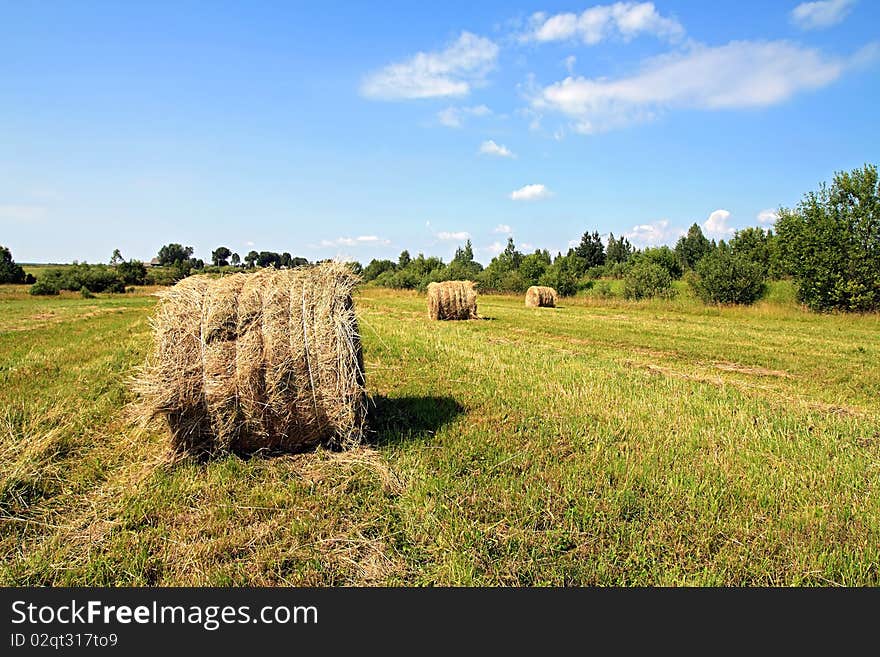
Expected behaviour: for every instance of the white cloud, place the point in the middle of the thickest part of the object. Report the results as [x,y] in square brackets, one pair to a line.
[503,229]
[653,234]
[624,20]
[23,214]
[449,72]
[249,243]
[569,63]
[453,117]
[458,236]
[767,216]
[494,248]
[716,224]
[825,13]
[530,193]
[737,75]
[356,241]
[489,147]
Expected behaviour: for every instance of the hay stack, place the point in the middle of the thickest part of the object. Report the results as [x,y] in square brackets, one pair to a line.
[452,300]
[265,360]
[539,296]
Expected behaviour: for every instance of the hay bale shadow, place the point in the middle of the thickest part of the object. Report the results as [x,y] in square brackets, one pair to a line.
[395,420]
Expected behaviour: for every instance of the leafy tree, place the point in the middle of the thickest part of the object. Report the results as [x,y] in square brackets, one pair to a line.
[647,279]
[509,260]
[236,260]
[725,276]
[561,276]
[10,272]
[534,265]
[116,258]
[831,243]
[404,259]
[376,267]
[251,258]
[591,250]
[662,256]
[172,253]
[758,246]
[44,288]
[132,272]
[618,251]
[302,262]
[691,248]
[463,265]
[220,256]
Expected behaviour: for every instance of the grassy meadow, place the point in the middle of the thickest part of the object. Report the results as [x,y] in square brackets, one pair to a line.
[600,443]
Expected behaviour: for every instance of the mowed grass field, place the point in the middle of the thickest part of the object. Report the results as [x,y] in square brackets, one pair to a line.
[600,443]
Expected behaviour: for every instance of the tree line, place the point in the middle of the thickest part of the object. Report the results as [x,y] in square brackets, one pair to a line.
[829,245]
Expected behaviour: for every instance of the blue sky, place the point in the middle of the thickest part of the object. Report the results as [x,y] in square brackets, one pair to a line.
[360,129]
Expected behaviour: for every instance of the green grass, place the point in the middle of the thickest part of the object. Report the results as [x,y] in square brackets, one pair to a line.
[603,442]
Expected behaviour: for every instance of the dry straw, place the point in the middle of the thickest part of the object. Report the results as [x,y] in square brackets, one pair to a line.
[539,296]
[264,360]
[452,300]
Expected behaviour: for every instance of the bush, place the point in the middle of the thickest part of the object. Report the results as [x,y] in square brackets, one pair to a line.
[43,288]
[84,291]
[646,280]
[618,270]
[597,271]
[560,279]
[726,277]
[602,290]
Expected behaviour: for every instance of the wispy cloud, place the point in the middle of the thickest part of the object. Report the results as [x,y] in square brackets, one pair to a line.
[737,75]
[22,214]
[361,240]
[716,224]
[818,15]
[489,147]
[449,72]
[768,216]
[569,63]
[654,233]
[494,248]
[503,229]
[454,117]
[530,193]
[622,20]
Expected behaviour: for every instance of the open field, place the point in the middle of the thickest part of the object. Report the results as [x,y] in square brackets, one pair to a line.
[603,442]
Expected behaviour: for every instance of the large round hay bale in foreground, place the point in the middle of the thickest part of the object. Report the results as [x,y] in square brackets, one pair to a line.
[539,296]
[265,360]
[452,300]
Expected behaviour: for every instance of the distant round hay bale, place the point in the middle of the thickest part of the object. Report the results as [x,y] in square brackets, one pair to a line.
[452,300]
[539,296]
[264,360]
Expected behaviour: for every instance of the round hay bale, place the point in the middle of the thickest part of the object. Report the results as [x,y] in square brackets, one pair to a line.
[539,296]
[452,300]
[264,360]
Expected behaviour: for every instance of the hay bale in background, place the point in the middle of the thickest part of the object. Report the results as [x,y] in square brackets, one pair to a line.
[539,296]
[452,300]
[264,360]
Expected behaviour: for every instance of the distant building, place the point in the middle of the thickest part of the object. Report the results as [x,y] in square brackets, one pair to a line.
[154,262]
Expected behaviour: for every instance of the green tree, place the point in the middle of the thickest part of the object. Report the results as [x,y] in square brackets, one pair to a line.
[725,276]
[691,248]
[236,259]
[534,265]
[404,259]
[116,258]
[591,250]
[220,256]
[10,272]
[132,272]
[375,268]
[662,256]
[831,243]
[172,253]
[251,258]
[757,245]
[618,251]
[646,280]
